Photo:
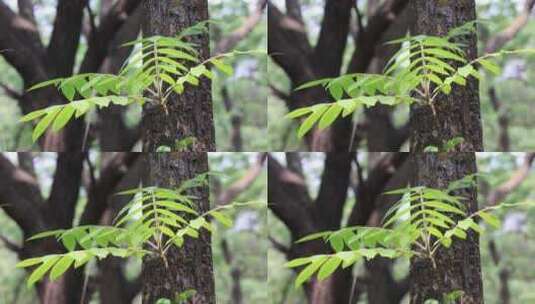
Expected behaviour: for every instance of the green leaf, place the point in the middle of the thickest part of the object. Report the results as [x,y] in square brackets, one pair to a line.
[40,128]
[306,273]
[329,267]
[40,271]
[348,257]
[167,79]
[442,53]
[299,112]
[220,65]
[46,234]
[178,54]
[314,236]
[312,119]
[33,115]
[63,118]
[298,262]
[431,149]
[68,90]
[444,207]
[220,217]
[336,90]
[45,84]
[466,70]
[29,262]
[330,116]
[489,219]
[313,83]
[61,266]
[490,66]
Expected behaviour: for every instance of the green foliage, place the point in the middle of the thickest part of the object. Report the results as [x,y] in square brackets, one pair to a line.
[180,298]
[155,220]
[422,69]
[422,221]
[448,146]
[159,67]
[449,298]
[180,145]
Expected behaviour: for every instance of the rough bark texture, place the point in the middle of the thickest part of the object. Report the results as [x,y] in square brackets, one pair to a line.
[458,114]
[459,267]
[190,114]
[190,267]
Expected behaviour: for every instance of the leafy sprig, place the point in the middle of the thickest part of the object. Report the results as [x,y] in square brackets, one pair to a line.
[420,223]
[154,221]
[423,68]
[159,67]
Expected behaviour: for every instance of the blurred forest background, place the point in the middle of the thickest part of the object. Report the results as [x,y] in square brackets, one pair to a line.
[506,254]
[239,101]
[506,101]
[239,252]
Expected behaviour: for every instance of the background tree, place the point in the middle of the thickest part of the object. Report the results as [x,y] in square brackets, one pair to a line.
[457,114]
[103,26]
[383,128]
[36,206]
[504,177]
[290,49]
[292,201]
[190,114]
[39,193]
[458,267]
[189,267]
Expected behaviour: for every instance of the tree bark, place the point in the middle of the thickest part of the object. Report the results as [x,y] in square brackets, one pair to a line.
[190,267]
[457,114]
[459,267]
[190,114]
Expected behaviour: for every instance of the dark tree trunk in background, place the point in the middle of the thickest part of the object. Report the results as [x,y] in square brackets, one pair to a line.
[190,267]
[459,267]
[190,114]
[458,114]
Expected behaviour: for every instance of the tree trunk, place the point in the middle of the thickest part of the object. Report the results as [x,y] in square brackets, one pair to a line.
[458,114]
[459,267]
[190,114]
[190,267]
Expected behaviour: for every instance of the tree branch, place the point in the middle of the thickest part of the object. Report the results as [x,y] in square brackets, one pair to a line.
[111,174]
[517,178]
[244,182]
[332,195]
[503,120]
[63,197]
[329,51]
[228,43]
[498,41]
[288,199]
[235,120]
[368,191]
[20,197]
[11,245]
[369,37]
[100,40]
[61,51]
[288,45]
[16,46]
[235,273]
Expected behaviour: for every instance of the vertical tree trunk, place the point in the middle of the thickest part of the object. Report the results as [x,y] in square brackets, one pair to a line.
[190,114]
[190,267]
[459,267]
[458,114]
